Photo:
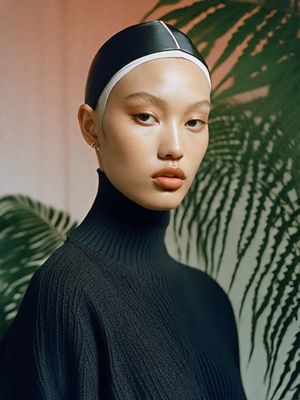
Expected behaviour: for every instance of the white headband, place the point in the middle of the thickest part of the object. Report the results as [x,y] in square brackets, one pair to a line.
[123,71]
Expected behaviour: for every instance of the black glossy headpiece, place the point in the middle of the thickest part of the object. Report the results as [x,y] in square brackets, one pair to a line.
[131,47]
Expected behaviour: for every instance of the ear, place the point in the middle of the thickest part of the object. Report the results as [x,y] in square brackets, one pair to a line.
[88,125]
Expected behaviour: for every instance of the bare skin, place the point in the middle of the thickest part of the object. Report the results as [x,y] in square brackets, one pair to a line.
[156,116]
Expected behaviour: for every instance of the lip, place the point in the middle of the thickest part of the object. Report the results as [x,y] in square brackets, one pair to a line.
[169,178]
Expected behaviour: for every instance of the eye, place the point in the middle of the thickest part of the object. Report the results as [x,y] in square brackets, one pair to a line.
[145,117]
[195,123]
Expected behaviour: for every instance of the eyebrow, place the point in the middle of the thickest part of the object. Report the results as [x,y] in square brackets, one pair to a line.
[158,101]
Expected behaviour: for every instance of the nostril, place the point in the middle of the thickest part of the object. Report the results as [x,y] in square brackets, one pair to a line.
[173,156]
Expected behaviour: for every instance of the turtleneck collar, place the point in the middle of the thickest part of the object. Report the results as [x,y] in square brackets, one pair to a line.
[121,230]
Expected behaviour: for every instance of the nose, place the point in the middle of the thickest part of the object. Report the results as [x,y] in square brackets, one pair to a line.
[170,144]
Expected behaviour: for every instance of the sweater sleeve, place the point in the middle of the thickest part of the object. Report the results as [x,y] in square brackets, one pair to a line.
[53,350]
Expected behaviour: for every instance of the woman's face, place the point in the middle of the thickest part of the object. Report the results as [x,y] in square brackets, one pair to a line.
[156,116]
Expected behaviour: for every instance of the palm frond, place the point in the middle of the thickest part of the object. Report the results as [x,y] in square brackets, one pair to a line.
[250,176]
[29,232]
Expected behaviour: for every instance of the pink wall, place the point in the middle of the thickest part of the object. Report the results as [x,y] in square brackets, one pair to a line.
[46,50]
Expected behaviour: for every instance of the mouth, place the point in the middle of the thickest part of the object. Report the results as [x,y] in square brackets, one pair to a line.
[169,178]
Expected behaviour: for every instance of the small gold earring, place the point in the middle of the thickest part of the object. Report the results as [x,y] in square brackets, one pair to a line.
[93,145]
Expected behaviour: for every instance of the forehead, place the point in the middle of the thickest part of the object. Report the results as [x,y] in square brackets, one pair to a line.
[174,73]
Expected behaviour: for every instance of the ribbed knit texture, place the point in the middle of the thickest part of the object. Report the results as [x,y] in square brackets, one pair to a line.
[110,315]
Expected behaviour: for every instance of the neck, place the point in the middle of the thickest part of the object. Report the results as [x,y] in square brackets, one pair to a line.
[121,230]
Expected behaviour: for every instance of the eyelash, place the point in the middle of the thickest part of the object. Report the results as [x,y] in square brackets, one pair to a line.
[136,116]
[198,120]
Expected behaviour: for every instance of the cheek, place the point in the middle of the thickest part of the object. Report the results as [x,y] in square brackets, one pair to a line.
[198,147]
[124,143]
[116,140]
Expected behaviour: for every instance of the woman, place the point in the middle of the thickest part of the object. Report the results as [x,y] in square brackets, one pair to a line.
[110,315]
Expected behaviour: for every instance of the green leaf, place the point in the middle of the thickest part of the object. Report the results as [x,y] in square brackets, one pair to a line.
[30,232]
[252,161]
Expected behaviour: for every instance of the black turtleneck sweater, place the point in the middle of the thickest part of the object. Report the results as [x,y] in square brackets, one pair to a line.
[110,315]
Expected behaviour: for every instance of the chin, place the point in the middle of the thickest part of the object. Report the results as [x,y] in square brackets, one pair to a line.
[166,201]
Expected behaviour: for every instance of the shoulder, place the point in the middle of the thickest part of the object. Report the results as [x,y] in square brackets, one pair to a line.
[219,298]
[203,282]
[69,263]
[206,290]
[67,275]
[215,289]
